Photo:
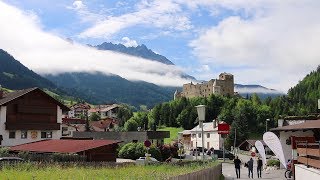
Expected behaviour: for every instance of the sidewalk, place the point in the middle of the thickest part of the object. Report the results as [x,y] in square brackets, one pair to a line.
[229,173]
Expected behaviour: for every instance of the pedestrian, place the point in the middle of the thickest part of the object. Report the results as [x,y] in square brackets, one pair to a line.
[237,163]
[250,168]
[259,163]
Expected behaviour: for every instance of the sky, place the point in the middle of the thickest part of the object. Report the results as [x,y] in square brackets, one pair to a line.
[267,42]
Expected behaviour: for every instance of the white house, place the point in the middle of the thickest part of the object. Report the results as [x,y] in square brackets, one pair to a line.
[29,115]
[211,136]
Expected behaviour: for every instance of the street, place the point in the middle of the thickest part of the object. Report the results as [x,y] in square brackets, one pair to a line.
[229,173]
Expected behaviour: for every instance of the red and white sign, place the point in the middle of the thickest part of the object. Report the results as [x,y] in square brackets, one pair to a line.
[147,143]
[253,154]
[223,128]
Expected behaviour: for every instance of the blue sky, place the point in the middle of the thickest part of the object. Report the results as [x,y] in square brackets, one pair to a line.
[271,43]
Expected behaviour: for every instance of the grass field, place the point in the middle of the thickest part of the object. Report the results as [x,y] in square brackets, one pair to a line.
[164,171]
[173,133]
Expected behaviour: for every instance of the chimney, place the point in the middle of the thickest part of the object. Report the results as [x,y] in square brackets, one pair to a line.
[280,122]
[214,123]
[1,92]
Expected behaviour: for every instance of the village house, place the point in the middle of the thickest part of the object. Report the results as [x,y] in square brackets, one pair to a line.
[105,111]
[78,110]
[210,134]
[29,115]
[300,143]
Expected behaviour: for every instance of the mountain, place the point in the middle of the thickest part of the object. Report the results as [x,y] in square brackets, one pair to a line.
[261,91]
[140,51]
[15,75]
[307,92]
[98,88]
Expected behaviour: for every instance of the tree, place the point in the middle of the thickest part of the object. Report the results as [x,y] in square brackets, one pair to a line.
[131,125]
[94,117]
[124,113]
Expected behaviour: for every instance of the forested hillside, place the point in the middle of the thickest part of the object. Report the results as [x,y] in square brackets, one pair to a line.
[15,75]
[307,92]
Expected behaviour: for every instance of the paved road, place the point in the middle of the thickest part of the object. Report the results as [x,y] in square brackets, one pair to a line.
[229,171]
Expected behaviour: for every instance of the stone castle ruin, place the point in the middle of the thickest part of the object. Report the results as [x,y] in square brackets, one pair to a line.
[222,86]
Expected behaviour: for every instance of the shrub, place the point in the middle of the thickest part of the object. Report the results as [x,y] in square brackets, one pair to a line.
[273,162]
[4,151]
[132,151]
[155,152]
[131,125]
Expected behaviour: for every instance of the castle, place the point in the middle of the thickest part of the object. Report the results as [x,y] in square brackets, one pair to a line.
[222,86]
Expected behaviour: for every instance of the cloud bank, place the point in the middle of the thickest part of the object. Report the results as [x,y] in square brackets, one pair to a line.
[273,42]
[21,36]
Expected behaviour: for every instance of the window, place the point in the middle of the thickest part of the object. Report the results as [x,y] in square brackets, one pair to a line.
[12,135]
[47,134]
[208,135]
[24,134]
[199,135]
[193,135]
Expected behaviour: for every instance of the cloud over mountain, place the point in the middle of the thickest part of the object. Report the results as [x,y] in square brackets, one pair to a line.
[46,53]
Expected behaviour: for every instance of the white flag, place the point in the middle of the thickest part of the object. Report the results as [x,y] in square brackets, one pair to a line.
[274,144]
[261,150]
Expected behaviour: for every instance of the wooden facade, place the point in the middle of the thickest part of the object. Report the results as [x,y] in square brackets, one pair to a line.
[34,110]
[104,153]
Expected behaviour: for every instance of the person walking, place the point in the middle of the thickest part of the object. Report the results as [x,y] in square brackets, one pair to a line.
[250,168]
[259,163]
[237,163]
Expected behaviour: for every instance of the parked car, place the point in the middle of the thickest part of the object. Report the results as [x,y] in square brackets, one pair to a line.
[197,150]
[227,154]
[142,160]
[11,159]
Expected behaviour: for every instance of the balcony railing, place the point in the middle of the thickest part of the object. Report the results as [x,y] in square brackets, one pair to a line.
[309,154]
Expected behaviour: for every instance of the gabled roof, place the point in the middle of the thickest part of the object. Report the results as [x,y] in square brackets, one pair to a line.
[206,127]
[308,125]
[62,145]
[8,97]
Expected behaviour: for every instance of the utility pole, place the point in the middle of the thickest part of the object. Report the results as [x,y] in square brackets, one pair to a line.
[235,140]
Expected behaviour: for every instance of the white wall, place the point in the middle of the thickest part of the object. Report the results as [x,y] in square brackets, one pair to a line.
[287,150]
[215,140]
[302,172]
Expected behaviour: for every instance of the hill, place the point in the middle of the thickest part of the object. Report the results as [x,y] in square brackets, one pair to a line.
[261,91]
[307,92]
[15,75]
[98,88]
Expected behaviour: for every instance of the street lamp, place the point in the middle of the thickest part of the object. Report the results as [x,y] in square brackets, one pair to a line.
[201,109]
[267,124]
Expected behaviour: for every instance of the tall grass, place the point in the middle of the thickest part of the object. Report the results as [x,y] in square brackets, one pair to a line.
[56,171]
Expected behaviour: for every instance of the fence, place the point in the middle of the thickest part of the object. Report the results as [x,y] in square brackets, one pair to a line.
[213,173]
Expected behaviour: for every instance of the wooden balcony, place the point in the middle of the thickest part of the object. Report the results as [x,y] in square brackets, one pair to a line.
[32,126]
[309,154]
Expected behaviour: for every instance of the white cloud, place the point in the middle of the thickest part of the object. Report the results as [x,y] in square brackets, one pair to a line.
[164,14]
[129,42]
[46,53]
[277,45]
[78,5]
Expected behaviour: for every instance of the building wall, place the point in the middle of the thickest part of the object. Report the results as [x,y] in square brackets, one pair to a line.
[215,140]
[302,172]
[32,135]
[222,86]
[126,137]
[287,150]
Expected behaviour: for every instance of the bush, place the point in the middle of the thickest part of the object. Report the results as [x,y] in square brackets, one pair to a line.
[4,152]
[273,162]
[132,151]
[155,152]
[131,125]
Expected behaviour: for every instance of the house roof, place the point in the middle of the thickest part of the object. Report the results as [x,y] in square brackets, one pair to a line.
[8,97]
[206,127]
[308,125]
[62,145]
[73,121]
[109,108]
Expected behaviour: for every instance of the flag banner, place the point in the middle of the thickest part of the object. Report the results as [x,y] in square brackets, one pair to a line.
[274,144]
[259,146]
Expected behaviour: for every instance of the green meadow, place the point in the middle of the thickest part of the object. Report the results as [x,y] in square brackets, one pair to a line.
[56,172]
